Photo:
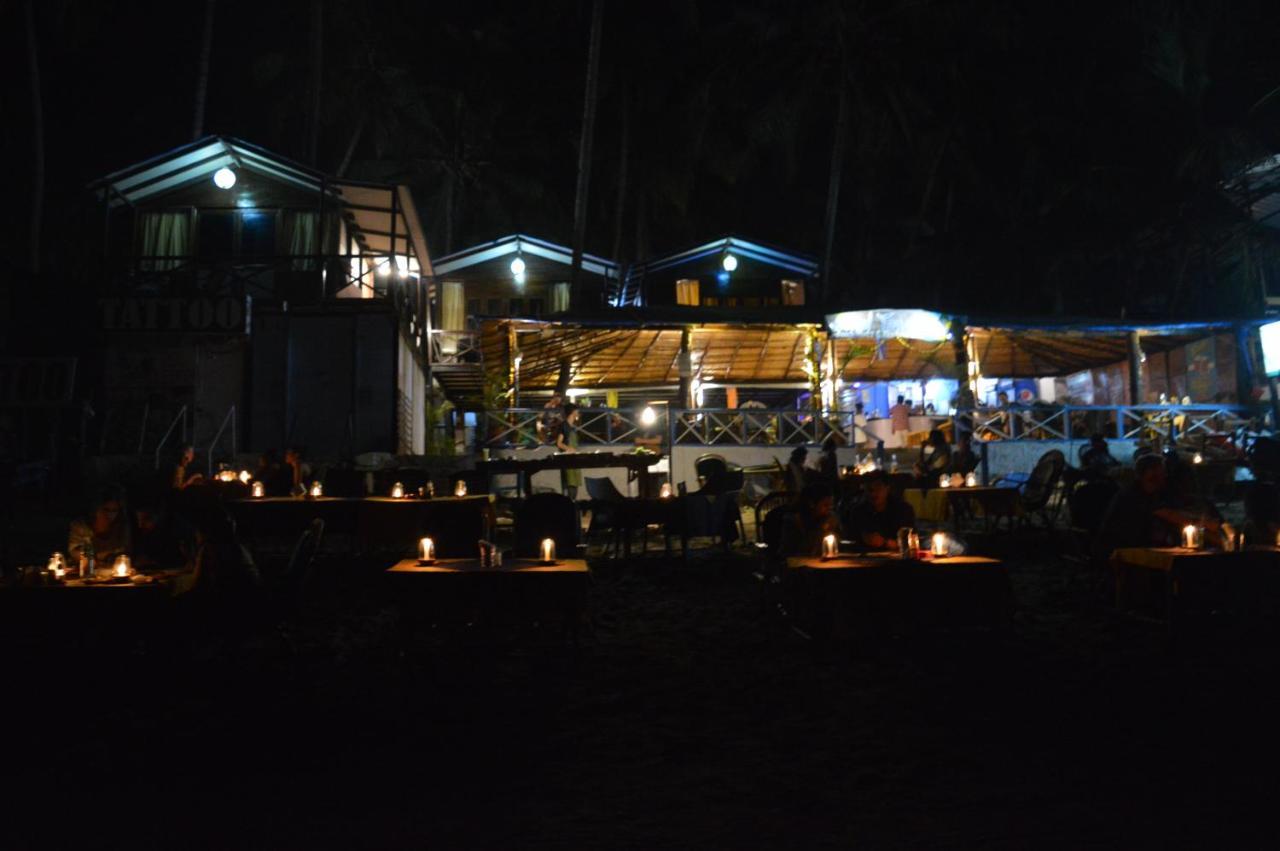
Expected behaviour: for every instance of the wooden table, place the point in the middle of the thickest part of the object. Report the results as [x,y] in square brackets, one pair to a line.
[936,504]
[524,468]
[1180,586]
[73,608]
[880,592]
[377,522]
[461,590]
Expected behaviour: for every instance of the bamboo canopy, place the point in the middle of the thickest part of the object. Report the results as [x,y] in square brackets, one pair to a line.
[604,356]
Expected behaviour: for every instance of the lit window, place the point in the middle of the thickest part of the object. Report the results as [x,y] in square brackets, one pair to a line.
[687,292]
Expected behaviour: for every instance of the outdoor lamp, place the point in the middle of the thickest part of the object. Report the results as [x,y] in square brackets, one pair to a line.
[648,416]
[518,266]
[1192,537]
[829,546]
[460,489]
[729,263]
[224,178]
[426,551]
[397,491]
[121,568]
[938,546]
[548,550]
[259,490]
[317,489]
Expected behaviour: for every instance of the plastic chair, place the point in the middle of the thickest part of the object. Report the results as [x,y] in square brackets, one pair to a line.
[547,515]
[765,505]
[707,467]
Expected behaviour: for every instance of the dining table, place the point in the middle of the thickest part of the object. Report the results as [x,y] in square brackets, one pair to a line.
[1183,587]
[884,593]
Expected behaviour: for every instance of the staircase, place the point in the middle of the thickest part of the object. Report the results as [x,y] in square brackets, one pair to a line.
[457,364]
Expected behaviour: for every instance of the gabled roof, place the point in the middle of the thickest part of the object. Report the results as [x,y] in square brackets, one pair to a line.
[522,244]
[375,211]
[799,264]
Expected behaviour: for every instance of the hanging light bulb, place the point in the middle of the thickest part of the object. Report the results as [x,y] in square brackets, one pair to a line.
[729,263]
[517,266]
[648,416]
[224,178]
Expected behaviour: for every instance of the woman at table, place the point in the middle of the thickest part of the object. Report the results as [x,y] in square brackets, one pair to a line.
[105,531]
[812,520]
[567,441]
[182,475]
[876,520]
[935,458]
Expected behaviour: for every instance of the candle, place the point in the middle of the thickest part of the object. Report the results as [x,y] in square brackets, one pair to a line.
[246,477]
[121,568]
[1192,537]
[460,489]
[431,489]
[970,481]
[665,493]
[829,546]
[397,491]
[1197,458]
[259,490]
[548,550]
[944,481]
[426,550]
[938,546]
[317,489]
[226,475]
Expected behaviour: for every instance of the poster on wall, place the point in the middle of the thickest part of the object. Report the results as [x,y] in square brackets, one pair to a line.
[1202,374]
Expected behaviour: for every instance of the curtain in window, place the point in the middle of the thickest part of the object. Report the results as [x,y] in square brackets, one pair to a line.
[453,315]
[302,228]
[687,291]
[559,298]
[166,240]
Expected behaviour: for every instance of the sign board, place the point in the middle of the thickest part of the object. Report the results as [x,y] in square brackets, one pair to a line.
[175,315]
[37,382]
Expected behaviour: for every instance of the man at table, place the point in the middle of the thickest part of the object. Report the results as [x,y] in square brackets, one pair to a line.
[963,460]
[875,521]
[812,520]
[1146,514]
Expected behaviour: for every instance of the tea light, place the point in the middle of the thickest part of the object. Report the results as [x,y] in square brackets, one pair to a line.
[245,477]
[1197,458]
[665,493]
[121,568]
[460,489]
[226,475]
[58,565]
[938,546]
[829,546]
[317,489]
[971,481]
[548,550]
[426,551]
[944,481]
[397,491]
[1192,537]
[259,490]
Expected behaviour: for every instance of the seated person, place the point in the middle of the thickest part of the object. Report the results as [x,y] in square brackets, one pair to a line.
[1147,513]
[875,521]
[964,460]
[935,457]
[797,474]
[105,532]
[160,539]
[1096,460]
[812,520]
[182,474]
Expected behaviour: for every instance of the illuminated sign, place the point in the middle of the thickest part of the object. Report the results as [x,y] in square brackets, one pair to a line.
[1270,336]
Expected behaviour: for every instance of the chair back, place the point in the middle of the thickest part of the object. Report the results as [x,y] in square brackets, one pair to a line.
[602,489]
[723,482]
[709,466]
[767,504]
[546,515]
[297,573]
[769,531]
[1044,478]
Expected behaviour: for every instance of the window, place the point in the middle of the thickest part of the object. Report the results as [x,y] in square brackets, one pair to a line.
[493,307]
[257,233]
[687,291]
[517,307]
[793,293]
[216,235]
[473,307]
[535,307]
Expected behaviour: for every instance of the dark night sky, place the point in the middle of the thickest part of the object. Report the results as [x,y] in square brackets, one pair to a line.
[1067,153]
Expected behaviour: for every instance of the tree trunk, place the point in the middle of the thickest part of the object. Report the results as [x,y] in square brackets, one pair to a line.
[202,72]
[37,139]
[620,200]
[317,68]
[833,189]
[584,152]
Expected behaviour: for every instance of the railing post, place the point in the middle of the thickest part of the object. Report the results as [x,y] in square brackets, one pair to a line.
[1119,422]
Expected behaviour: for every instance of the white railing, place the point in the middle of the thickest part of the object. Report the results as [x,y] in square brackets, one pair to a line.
[454,346]
[1073,422]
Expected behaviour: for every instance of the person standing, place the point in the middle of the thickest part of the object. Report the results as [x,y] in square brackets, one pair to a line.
[567,441]
[900,422]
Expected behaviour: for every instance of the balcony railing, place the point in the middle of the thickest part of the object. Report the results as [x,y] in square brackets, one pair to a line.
[1075,422]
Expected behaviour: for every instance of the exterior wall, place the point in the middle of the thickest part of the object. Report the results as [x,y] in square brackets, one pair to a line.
[1204,369]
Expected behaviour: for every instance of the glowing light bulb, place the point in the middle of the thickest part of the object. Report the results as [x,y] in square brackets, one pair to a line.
[224,178]
[648,416]
[518,267]
[729,263]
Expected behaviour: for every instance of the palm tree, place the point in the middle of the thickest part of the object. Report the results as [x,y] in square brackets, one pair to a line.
[202,72]
[584,150]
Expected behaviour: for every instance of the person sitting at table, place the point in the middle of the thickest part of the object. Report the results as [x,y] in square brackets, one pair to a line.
[160,539]
[105,532]
[1096,460]
[1147,512]
[567,441]
[963,459]
[875,521]
[935,458]
[182,476]
[812,520]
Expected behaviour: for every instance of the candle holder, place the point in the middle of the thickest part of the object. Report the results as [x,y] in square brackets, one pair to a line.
[426,551]
[460,489]
[259,490]
[1232,539]
[122,567]
[548,550]
[664,492]
[908,542]
[57,566]
[1192,537]
[971,481]
[944,481]
[317,490]
[431,489]
[938,545]
[397,491]
[245,477]
[830,547]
